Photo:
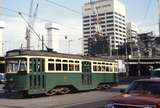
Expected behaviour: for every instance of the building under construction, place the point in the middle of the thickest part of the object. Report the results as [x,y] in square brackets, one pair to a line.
[98,45]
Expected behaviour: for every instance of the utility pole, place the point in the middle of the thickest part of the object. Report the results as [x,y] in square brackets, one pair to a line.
[158,1]
[31,19]
[110,46]
[42,42]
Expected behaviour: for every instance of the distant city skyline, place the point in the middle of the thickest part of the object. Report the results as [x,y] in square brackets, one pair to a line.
[143,12]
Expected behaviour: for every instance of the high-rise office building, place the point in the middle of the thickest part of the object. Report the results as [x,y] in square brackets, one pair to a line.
[132,32]
[112,16]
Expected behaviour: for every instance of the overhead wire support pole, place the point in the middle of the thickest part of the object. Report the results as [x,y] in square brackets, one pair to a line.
[31,19]
[158,1]
[28,31]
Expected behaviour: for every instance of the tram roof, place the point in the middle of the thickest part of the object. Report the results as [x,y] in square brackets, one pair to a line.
[18,52]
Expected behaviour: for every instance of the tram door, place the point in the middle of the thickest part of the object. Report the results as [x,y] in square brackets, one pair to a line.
[37,77]
[86,73]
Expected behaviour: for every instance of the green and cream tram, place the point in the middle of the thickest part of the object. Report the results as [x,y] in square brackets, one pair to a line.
[38,72]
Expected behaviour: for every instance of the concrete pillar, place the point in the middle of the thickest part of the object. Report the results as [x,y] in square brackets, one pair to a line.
[53,36]
[2,26]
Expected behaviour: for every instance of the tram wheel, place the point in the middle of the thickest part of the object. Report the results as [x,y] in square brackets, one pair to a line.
[64,90]
[103,87]
[51,92]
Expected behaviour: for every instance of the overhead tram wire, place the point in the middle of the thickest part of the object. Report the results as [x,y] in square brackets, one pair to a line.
[41,19]
[62,6]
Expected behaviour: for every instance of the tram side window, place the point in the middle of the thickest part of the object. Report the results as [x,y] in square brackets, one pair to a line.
[23,66]
[58,66]
[51,66]
[115,68]
[99,68]
[107,68]
[94,68]
[111,69]
[77,67]
[71,67]
[103,68]
[65,67]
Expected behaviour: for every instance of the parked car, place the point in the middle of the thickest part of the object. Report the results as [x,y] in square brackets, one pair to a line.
[2,78]
[143,93]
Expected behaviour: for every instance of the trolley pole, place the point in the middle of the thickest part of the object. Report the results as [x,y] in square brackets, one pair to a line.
[127,66]
[42,42]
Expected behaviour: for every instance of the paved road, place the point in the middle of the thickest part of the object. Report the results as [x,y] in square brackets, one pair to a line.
[91,99]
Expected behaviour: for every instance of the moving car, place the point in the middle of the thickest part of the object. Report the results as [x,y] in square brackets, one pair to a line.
[143,93]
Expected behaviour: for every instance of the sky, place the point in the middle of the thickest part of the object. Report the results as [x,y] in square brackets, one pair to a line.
[143,12]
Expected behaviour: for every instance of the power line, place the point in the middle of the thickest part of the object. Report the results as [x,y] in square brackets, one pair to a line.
[41,19]
[59,5]
[147,10]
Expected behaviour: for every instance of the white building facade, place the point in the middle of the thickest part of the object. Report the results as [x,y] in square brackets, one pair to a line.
[132,32]
[53,36]
[112,15]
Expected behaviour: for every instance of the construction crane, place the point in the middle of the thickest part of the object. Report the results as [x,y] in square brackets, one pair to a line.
[31,19]
[95,12]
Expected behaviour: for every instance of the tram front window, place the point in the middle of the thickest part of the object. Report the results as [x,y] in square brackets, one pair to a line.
[17,65]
